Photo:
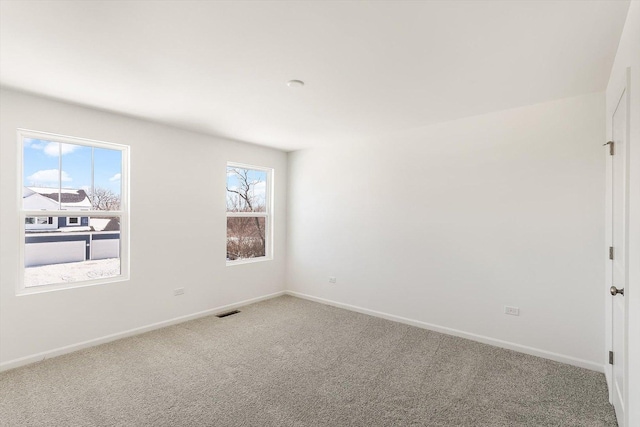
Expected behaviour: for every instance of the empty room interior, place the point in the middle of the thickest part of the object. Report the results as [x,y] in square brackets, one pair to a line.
[320,213]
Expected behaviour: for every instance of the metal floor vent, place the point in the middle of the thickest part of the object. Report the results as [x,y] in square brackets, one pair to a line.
[228,313]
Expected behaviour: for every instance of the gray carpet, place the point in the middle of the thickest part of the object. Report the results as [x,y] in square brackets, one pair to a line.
[291,362]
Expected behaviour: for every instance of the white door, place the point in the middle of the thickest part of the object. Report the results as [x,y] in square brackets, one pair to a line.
[618,233]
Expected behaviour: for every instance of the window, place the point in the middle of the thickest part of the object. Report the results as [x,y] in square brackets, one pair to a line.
[74,209]
[249,224]
[38,220]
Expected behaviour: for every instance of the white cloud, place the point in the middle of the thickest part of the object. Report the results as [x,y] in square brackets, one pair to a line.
[33,143]
[115,177]
[68,148]
[47,176]
[50,148]
[260,189]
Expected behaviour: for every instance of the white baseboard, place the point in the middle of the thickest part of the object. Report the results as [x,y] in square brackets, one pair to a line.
[449,331]
[11,364]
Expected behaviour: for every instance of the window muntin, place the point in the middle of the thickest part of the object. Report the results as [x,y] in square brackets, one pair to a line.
[249,218]
[81,184]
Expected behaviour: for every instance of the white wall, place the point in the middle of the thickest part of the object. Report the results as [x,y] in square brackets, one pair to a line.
[170,248]
[628,56]
[447,224]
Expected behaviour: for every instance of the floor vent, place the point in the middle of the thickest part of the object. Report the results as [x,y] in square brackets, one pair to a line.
[228,313]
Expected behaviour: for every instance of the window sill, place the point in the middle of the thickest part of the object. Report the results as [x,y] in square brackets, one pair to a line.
[32,290]
[249,261]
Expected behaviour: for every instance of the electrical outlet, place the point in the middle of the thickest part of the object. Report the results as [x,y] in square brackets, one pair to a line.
[513,311]
[332,279]
[178,291]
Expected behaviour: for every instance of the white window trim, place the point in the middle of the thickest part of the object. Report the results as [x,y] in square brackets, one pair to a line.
[123,213]
[268,214]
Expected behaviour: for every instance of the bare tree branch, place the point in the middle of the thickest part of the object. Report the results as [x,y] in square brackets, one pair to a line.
[103,199]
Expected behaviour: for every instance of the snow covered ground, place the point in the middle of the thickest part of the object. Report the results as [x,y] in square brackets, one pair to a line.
[71,272]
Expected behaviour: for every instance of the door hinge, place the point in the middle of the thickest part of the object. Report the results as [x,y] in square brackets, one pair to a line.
[610,144]
[611,358]
[610,252]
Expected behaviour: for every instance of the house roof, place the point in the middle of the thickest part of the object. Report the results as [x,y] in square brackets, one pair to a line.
[76,197]
[69,196]
[33,200]
[105,224]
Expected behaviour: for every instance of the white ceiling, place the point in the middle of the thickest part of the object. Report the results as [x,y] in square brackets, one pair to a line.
[370,68]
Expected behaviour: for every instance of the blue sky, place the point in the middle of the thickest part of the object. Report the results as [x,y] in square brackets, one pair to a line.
[41,165]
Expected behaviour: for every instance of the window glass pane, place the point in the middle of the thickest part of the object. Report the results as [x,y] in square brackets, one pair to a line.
[76,165]
[246,190]
[57,253]
[61,246]
[245,237]
[41,177]
[107,179]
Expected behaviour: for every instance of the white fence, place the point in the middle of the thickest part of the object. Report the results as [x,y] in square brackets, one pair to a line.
[45,253]
[101,249]
[53,253]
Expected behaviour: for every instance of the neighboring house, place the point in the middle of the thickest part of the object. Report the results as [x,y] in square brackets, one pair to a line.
[43,198]
[73,238]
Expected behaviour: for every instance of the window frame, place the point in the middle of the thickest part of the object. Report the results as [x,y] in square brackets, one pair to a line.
[267,214]
[77,218]
[123,213]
